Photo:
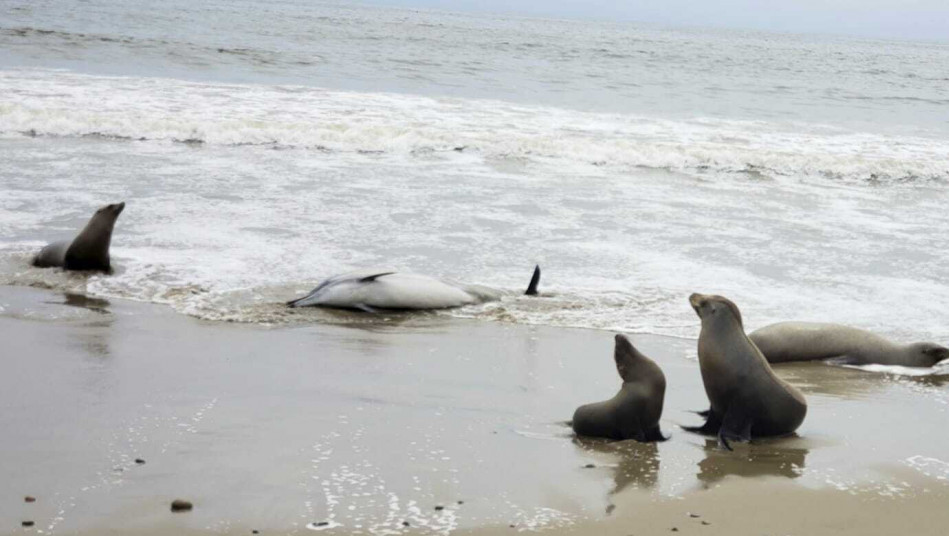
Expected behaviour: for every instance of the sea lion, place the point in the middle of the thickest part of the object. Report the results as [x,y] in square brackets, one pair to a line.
[748,400]
[89,250]
[811,341]
[372,290]
[635,410]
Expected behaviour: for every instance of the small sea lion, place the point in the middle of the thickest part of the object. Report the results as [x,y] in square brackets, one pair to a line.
[372,290]
[89,250]
[635,410]
[747,399]
[811,341]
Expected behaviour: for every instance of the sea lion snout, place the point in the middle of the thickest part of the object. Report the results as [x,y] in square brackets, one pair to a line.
[697,300]
[117,208]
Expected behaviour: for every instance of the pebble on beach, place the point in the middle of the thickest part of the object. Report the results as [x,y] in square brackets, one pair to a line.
[29,498]
[139,461]
[27,523]
[589,466]
[439,508]
[181,505]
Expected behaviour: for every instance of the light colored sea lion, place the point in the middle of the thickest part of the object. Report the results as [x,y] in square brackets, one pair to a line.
[372,290]
[89,250]
[811,341]
[635,410]
[748,400]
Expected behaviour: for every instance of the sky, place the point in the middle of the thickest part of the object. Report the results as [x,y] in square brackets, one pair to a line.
[900,19]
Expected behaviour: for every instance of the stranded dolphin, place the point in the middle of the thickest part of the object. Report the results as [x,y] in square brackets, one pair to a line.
[369,290]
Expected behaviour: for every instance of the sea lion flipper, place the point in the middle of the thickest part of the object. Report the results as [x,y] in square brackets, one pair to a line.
[655,434]
[711,427]
[631,428]
[735,426]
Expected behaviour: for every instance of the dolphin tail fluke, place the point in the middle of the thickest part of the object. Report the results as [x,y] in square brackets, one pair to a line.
[535,280]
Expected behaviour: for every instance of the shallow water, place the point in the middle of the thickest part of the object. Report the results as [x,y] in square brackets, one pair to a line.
[802,176]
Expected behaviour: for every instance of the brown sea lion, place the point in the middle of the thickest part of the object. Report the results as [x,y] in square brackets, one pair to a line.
[89,250]
[748,400]
[811,341]
[635,410]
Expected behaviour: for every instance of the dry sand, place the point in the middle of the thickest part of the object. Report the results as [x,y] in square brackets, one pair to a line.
[367,426]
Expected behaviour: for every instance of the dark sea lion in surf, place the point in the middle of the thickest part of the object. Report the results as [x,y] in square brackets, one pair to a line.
[812,341]
[747,399]
[89,250]
[635,410]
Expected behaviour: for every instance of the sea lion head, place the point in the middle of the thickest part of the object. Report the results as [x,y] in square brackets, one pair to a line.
[112,210]
[711,308]
[926,354]
[628,360]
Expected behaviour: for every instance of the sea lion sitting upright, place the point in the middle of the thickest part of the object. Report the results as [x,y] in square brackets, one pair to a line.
[635,410]
[89,250]
[748,400]
[373,290]
[811,341]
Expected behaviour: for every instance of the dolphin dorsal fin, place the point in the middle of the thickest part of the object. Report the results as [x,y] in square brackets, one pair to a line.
[535,280]
[373,277]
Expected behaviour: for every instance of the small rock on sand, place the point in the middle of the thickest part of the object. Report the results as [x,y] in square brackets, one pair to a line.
[139,461]
[181,505]
[27,523]
[589,466]
[439,508]
[29,498]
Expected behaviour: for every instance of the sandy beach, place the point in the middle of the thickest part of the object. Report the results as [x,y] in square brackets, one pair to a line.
[421,425]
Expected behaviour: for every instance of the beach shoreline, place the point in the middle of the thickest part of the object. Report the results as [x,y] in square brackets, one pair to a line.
[365,427]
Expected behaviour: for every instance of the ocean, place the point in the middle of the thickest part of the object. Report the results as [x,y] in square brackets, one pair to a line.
[262,147]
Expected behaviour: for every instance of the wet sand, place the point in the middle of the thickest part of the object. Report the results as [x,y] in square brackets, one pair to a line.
[361,427]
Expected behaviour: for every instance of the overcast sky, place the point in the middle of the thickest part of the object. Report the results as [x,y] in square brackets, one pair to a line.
[906,19]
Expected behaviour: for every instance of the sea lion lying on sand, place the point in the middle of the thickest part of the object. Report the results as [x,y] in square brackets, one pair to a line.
[811,341]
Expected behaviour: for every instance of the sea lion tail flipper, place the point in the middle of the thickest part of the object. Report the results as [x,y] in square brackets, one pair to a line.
[535,280]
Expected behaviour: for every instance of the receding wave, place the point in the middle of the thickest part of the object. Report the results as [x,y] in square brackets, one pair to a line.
[57,104]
